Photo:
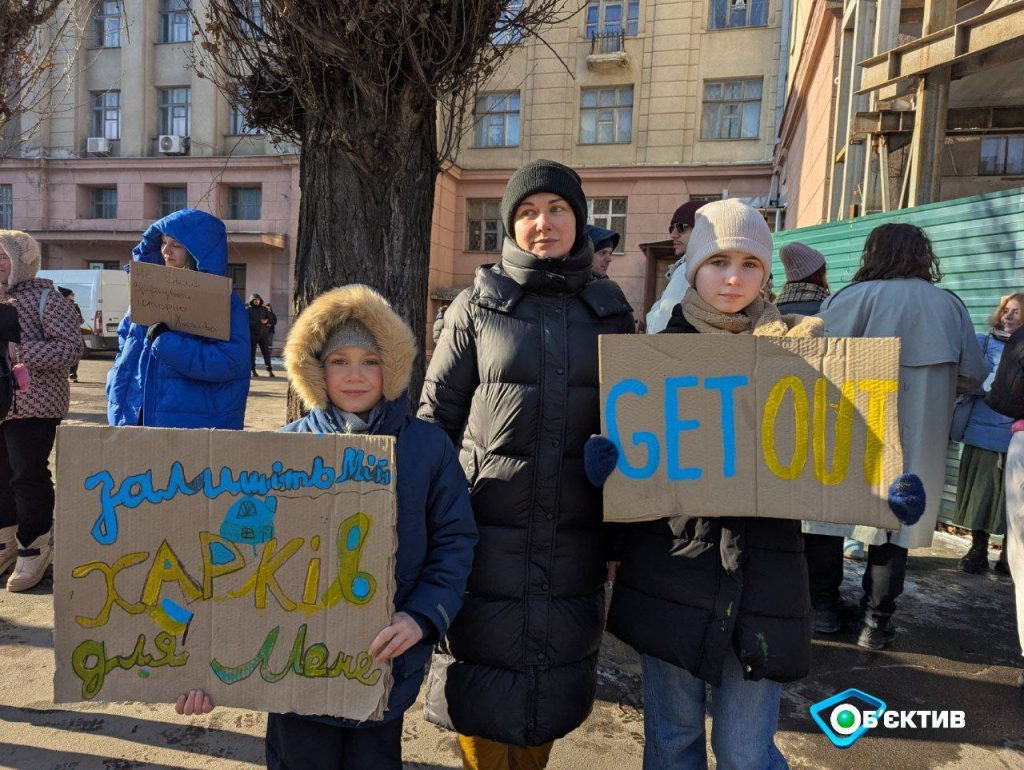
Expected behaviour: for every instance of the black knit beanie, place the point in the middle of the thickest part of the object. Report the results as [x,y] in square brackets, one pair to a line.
[544,176]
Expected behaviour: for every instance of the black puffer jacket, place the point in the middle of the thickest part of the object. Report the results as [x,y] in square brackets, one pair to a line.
[690,589]
[516,365]
[1007,393]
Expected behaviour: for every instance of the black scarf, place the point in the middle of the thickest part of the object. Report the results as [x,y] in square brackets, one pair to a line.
[545,275]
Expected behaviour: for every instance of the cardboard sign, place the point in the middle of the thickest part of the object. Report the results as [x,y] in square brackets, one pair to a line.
[185,300]
[736,425]
[256,566]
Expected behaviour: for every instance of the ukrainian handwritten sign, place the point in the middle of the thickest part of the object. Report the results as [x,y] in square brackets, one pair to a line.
[256,566]
[185,300]
[717,425]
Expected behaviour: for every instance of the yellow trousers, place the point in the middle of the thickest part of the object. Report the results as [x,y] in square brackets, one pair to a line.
[482,754]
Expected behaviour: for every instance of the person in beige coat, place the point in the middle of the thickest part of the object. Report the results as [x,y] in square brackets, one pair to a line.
[50,345]
[894,295]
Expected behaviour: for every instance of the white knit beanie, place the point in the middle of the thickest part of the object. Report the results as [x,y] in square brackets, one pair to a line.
[728,225]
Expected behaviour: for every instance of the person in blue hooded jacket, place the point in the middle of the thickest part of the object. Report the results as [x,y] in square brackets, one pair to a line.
[168,379]
[349,358]
[605,242]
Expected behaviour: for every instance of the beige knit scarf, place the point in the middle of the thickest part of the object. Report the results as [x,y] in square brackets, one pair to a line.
[760,318]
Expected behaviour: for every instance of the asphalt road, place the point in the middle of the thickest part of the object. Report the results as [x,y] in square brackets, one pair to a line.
[957,650]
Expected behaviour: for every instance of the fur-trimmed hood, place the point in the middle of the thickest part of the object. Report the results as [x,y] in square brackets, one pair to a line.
[314,325]
[25,255]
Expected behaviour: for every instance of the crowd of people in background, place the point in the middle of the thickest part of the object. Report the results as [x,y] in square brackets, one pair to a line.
[503,598]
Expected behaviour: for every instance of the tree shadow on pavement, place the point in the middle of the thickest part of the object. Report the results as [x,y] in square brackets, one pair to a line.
[31,636]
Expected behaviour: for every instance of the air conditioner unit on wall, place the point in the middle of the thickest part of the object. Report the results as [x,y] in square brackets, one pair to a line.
[172,144]
[97,145]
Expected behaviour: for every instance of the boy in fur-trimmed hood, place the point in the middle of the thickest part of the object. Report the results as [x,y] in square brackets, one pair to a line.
[349,357]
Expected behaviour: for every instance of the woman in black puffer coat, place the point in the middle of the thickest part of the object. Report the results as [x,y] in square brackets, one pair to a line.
[514,378]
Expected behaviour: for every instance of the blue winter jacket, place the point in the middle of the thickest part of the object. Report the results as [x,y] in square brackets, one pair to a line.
[987,429]
[182,380]
[436,537]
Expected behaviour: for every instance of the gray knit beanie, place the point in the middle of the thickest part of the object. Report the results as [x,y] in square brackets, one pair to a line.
[800,260]
[728,225]
[544,176]
[351,333]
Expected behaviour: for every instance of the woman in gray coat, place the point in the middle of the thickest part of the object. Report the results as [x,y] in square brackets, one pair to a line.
[894,295]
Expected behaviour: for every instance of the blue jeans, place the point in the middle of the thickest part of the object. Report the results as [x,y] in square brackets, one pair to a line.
[744,718]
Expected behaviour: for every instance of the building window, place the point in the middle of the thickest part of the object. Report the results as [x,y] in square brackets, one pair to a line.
[104,202]
[6,207]
[106,264]
[609,213]
[729,14]
[606,115]
[253,11]
[106,24]
[176,111]
[245,203]
[1002,156]
[496,120]
[732,109]
[106,114]
[236,273]
[605,17]
[483,225]
[238,124]
[504,34]
[171,199]
[175,21]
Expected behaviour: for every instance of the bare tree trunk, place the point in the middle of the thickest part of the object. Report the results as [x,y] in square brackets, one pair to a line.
[367,219]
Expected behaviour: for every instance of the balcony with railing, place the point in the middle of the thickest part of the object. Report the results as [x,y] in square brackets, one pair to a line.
[607,49]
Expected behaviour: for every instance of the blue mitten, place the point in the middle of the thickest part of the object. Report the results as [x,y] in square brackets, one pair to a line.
[907,498]
[599,458]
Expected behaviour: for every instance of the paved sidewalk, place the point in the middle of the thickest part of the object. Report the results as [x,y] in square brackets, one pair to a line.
[957,649]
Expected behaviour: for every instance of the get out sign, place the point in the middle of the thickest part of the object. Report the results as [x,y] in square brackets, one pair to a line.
[721,425]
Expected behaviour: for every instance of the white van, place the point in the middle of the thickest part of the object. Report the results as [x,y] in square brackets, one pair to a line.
[103,297]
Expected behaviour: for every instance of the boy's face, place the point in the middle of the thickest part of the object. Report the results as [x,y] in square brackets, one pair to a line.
[174,254]
[730,281]
[355,381]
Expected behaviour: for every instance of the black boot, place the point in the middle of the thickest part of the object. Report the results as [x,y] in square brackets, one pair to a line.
[254,374]
[270,371]
[1002,566]
[976,560]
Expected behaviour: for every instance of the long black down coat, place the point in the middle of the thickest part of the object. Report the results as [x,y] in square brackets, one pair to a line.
[1007,393]
[689,590]
[516,366]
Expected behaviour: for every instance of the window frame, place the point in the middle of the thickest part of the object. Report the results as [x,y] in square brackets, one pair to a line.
[164,205]
[728,7]
[237,207]
[727,101]
[617,109]
[477,226]
[510,37]
[101,111]
[1003,168]
[165,116]
[6,206]
[102,17]
[503,98]
[596,25]
[237,118]
[98,209]
[607,219]
[171,13]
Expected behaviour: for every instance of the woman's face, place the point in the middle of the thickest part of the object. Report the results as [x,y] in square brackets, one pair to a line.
[545,225]
[174,254]
[256,301]
[5,266]
[1010,318]
[729,281]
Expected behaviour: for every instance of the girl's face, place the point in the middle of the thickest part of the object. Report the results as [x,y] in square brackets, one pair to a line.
[1010,318]
[729,281]
[174,254]
[545,225]
[355,381]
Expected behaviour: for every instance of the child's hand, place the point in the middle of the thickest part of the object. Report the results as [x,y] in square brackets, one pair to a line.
[195,702]
[599,459]
[402,634]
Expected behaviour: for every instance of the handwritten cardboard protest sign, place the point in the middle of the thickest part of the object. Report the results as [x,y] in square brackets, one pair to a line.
[256,566]
[723,425]
[185,300]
